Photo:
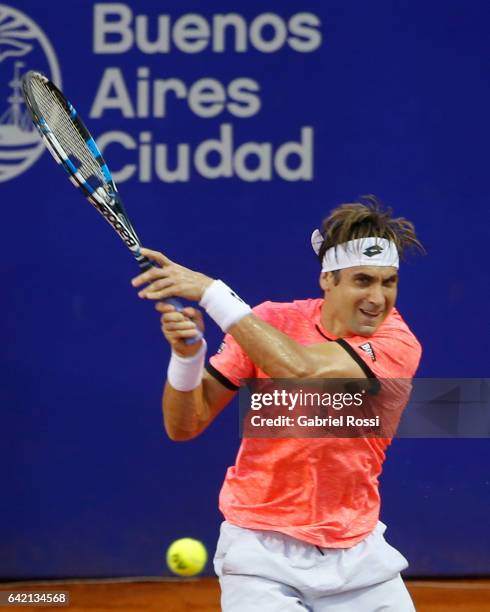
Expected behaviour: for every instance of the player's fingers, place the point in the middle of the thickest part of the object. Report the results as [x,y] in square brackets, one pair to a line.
[156,285]
[149,275]
[169,289]
[172,316]
[158,294]
[155,256]
[173,326]
[181,334]
[164,307]
[190,312]
[195,315]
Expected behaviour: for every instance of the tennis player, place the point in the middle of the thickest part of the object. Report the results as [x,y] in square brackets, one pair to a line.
[301,529]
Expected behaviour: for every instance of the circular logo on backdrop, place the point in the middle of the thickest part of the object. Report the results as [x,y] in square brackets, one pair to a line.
[23,46]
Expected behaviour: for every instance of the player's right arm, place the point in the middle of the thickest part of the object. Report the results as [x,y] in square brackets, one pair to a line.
[187,413]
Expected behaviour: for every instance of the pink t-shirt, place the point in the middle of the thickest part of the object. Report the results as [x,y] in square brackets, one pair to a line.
[320,490]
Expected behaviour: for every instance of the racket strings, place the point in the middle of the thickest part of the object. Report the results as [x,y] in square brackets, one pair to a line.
[67,134]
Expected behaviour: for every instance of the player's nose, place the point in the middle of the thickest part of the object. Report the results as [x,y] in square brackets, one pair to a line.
[376,296]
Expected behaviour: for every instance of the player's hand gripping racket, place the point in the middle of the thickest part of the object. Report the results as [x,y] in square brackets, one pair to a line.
[72,146]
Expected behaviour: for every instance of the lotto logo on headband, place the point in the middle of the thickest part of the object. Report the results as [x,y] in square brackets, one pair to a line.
[373,250]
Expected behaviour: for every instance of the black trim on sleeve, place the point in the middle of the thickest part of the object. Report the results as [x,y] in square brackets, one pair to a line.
[375,387]
[221,378]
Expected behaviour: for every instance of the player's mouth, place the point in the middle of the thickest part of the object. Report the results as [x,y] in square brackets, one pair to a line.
[371,315]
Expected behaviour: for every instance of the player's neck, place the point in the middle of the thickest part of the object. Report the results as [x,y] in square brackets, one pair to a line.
[331,323]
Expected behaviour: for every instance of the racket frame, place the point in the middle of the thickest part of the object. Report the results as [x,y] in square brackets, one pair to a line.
[105,199]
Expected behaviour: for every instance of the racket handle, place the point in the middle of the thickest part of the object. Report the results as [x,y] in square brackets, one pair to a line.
[177,304]
[145,264]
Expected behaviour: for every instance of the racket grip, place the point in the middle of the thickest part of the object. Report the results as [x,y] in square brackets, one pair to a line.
[146,264]
[177,304]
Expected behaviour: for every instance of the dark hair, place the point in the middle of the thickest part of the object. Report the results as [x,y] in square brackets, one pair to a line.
[365,218]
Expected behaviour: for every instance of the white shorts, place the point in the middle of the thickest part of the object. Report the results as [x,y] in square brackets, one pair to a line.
[267,571]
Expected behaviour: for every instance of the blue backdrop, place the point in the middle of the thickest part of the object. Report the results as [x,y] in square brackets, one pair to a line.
[386,97]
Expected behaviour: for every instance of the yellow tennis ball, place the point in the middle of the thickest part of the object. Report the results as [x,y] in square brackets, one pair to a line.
[186,557]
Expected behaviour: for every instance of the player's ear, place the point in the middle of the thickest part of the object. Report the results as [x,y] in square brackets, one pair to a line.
[328,280]
[324,281]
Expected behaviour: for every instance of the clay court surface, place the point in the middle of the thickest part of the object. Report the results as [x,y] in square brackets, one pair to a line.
[202,595]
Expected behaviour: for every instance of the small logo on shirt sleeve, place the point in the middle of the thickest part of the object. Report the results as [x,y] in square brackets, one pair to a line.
[221,348]
[367,348]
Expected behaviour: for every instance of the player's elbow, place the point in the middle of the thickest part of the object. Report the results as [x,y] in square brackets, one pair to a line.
[180,432]
[179,435]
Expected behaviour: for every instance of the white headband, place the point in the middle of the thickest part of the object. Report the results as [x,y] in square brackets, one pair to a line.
[361,252]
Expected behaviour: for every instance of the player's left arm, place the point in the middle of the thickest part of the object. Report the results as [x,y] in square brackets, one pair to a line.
[273,352]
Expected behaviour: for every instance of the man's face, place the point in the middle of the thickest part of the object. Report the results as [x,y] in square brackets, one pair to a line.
[362,299]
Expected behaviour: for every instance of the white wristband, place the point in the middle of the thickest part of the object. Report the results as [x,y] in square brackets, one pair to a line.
[185,373]
[223,305]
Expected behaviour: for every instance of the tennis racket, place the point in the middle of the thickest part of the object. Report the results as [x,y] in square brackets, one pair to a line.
[70,143]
